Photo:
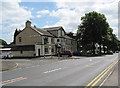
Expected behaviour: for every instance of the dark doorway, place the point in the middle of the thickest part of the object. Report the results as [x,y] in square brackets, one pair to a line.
[38,52]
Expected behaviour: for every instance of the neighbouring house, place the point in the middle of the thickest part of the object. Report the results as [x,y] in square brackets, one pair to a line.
[72,35]
[33,41]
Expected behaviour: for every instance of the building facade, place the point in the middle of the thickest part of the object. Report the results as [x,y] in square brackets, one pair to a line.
[46,41]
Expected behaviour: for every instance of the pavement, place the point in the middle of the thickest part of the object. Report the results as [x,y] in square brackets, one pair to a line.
[8,65]
[114,78]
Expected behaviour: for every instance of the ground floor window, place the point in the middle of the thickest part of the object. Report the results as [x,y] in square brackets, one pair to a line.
[21,51]
[52,49]
[46,49]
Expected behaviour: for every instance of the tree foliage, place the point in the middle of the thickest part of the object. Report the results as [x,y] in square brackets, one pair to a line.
[95,29]
[2,42]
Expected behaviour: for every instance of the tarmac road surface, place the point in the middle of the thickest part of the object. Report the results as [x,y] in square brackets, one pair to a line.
[71,72]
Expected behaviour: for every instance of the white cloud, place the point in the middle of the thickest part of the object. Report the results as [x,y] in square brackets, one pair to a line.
[70,12]
[32,8]
[34,24]
[43,12]
[14,17]
[115,30]
[38,16]
[69,19]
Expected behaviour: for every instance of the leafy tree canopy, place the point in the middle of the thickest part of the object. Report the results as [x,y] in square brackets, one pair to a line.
[95,29]
[2,42]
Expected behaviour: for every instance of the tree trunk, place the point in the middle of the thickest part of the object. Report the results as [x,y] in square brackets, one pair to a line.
[93,48]
[100,48]
[107,49]
[104,49]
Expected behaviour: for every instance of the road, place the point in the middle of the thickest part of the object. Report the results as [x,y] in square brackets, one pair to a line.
[71,72]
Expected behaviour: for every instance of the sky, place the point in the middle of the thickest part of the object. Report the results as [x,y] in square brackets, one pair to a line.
[52,13]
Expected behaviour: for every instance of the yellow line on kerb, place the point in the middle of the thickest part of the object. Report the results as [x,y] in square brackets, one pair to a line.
[101,74]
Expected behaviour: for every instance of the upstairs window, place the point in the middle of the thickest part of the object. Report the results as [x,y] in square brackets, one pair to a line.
[58,40]
[20,39]
[52,40]
[45,40]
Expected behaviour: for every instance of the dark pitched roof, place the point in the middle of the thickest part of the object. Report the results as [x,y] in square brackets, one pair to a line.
[52,28]
[67,37]
[23,48]
[42,32]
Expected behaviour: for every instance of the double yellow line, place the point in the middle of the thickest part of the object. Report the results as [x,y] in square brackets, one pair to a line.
[101,75]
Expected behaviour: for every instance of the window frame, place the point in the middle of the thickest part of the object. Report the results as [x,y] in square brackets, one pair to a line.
[20,39]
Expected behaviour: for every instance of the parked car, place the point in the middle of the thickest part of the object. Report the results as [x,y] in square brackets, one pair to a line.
[77,53]
[6,55]
[89,52]
[66,52]
[110,52]
[117,51]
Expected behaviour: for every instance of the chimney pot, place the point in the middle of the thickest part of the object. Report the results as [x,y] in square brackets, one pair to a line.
[28,23]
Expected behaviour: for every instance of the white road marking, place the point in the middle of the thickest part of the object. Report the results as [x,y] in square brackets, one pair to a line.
[52,70]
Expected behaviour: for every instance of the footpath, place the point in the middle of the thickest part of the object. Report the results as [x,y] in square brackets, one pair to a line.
[114,79]
[8,65]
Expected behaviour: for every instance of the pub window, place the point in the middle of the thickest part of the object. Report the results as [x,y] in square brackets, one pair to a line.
[46,50]
[20,39]
[45,40]
[52,40]
[52,49]
[21,51]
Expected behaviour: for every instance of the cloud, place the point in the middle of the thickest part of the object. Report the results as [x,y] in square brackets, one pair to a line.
[38,16]
[14,17]
[115,30]
[43,12]
[69,19]
[32,8]
[70,12]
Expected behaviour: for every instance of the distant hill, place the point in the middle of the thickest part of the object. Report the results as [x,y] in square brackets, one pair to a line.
[2,42]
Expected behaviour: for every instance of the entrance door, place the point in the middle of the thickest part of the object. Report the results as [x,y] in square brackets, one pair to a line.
[38,52]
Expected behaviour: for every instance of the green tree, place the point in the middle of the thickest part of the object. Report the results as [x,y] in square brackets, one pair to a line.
[111,40]
[114,43]
[92,29]
[107,39]
[2,42]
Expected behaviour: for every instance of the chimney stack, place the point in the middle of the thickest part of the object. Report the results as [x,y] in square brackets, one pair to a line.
[28,24]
